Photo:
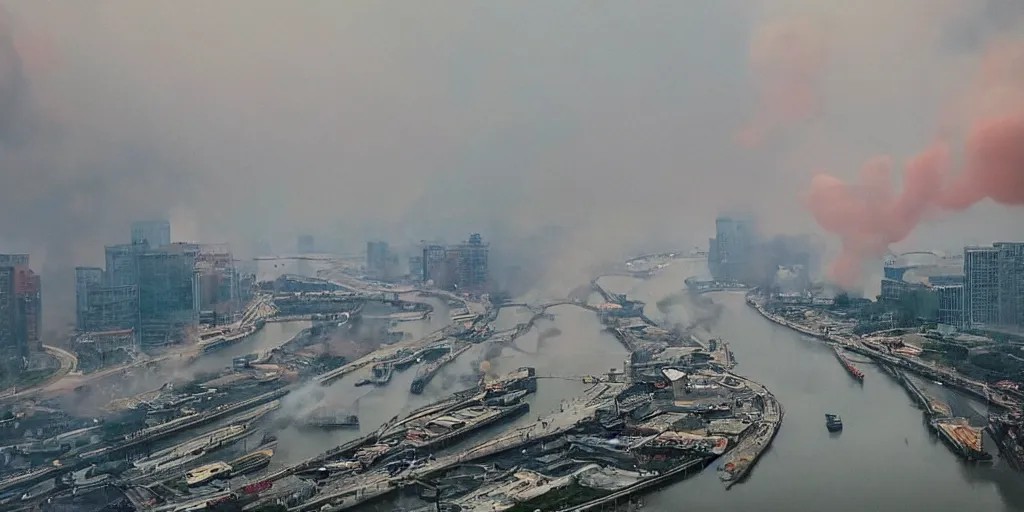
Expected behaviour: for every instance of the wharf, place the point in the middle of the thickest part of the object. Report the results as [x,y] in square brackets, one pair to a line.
[744,456]
[965,440]
[643,485]
[143,436]
[960,383]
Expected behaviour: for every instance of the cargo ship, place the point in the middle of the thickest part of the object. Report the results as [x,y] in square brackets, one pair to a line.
[833,422]
[427,373]
[847,365]
[966,441]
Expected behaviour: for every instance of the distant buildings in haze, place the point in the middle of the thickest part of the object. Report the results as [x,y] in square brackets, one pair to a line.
[152,294]
[983,289]
[20,310]
[459,266]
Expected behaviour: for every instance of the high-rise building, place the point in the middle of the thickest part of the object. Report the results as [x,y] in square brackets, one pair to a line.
[122,264]
[377,257]
[472,270]
[10,345]
[305,244]
[155,233]
[1011,283]
[20,308]
[110,308]
[416,267]
[433,261]
[219,282]
[168,287]
[14,260]
[735,240]
[86,278]
[981,287]
[951,304]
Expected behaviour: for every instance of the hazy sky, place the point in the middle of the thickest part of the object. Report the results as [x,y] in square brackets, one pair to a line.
[614,121]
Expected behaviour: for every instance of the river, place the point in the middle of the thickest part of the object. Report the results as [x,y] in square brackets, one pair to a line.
[884,460]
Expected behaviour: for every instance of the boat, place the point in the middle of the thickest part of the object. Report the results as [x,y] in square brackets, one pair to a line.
[204,474]
[427,373]
[251,462]
[847,365]
[381,373]
[327,421]
[833,422]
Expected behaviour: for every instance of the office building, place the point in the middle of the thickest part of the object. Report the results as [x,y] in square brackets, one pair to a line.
[416,267]
[110,308]
[951,304]
[733,246]
[218,282]
[122,264]
[981,287]
[86,278]
[1011,284]
[433,261]
[154,233]
[377,258]
[472,272]
[305,244]
[11,346]
[20,308]
[14,260]
[169,294]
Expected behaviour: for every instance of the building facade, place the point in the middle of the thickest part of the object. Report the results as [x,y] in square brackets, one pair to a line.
[951,304]
[472,268]
[981,287]
[86,278]
[122,264]
[154,233]
[734,242]
[168,291]
[1010,295]
[378,259]
[459,266]
[433,262]
[20,310]
[110,308]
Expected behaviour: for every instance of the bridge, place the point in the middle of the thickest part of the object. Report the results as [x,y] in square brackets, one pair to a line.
[303,257]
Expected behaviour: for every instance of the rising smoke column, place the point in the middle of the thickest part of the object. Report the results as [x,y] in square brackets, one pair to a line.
[868,216]
[787,59]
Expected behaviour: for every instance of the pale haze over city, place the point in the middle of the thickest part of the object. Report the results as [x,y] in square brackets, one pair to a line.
[608,255]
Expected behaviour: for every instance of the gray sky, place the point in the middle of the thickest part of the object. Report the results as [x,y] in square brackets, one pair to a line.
[613,121]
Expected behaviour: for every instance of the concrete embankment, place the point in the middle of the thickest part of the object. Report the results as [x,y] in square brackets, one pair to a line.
[955,382]
[665,478]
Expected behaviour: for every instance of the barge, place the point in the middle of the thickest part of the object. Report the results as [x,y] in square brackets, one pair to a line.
[847,365]
[965,440]
[427,373]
